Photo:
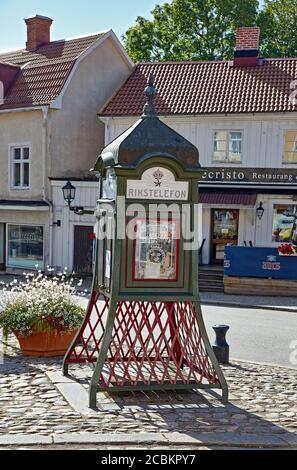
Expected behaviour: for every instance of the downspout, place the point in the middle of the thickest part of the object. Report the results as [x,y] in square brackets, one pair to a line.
[105,121]
[45,111]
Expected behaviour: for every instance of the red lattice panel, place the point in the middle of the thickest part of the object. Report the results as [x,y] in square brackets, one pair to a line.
[152,343]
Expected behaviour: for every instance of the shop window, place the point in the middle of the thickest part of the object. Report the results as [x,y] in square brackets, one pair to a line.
[25,246]
[20,161]
[227,146]
[284,224]
[290,151]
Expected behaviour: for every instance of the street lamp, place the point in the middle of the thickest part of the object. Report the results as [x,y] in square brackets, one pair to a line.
[260,210]
[69,192]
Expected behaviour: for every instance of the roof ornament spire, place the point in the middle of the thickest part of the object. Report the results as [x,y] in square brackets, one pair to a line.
[150,93]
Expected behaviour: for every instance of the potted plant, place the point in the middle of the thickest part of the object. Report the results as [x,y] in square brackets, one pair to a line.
[42,312]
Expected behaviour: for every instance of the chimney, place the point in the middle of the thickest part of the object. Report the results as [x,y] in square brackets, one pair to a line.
[38,31]
[247,46]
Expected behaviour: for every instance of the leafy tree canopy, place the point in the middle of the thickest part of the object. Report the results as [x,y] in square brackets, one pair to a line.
[205,29]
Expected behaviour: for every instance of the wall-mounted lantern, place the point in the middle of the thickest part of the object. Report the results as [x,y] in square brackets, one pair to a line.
[69,192]
[260,210]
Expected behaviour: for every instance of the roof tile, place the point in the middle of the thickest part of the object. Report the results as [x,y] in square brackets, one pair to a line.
[209,87]
[43,72]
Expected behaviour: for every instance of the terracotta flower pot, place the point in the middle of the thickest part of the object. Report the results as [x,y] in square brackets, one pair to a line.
[45,344]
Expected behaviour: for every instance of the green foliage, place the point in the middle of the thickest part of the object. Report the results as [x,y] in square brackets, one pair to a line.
[205,29]
[278,23]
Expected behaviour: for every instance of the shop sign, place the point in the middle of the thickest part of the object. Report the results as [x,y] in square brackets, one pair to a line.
[258,262]
[157,183]
[249,175]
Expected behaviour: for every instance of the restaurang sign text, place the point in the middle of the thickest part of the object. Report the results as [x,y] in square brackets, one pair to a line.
[249,175]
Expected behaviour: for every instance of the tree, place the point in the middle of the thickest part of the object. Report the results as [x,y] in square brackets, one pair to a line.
[205,29]
[190,30]
[278,22]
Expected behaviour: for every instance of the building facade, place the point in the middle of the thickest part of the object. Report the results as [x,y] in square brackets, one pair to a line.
[50,92]
[242,116]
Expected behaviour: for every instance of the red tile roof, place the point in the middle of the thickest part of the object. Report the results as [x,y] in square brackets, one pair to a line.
[43,72]
[209,87]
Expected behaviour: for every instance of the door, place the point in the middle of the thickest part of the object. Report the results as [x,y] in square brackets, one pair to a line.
[2,246]
[224,232]
[83,249]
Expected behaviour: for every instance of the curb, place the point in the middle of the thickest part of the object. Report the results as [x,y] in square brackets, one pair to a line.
[230,439]
[268,364]
[238,305]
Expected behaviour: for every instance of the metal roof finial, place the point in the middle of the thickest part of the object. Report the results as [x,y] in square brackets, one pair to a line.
[150,93]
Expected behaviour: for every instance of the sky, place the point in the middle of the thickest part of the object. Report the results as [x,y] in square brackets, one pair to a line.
[71,17]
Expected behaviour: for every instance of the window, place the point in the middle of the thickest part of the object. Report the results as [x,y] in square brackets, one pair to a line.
[20,157]
[284,223]
[25,246]
[156,250]
[227,146]
[290,151]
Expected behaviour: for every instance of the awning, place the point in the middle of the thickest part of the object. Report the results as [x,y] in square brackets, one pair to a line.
[232,198]
[12,204]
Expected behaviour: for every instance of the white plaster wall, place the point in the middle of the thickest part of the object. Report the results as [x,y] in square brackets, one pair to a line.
[63,237]
[263,137]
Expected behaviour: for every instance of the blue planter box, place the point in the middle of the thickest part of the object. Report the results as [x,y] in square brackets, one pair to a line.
[259,262]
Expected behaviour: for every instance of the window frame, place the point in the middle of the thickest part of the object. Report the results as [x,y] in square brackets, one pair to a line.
[228,140]
[286,162]
[12,163]
[7,244]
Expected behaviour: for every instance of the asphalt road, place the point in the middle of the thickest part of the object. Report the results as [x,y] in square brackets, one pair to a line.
[256,335]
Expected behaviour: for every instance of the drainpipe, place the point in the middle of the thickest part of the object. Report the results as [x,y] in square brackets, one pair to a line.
[45,156]
[105,121]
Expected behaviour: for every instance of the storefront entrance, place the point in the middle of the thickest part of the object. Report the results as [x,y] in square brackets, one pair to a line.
[83,249]
[2,247]
[224,231]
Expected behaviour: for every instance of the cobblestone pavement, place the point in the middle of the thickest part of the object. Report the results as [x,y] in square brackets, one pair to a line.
[263,401]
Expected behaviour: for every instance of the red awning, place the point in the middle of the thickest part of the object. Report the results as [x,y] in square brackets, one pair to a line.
[215,197]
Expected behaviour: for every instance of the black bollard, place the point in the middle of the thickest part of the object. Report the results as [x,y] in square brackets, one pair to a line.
[220,346]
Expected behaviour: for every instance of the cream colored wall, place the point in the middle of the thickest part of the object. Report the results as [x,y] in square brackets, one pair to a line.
[20,128]
[77,136]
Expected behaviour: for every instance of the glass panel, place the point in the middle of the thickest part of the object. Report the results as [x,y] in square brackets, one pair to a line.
[290,154]
[25,246]
[225,224]
[17,174]
[17,154]
[220,145]
[235,146]
[26,154]
[26,174]
[284,224]
[156,250]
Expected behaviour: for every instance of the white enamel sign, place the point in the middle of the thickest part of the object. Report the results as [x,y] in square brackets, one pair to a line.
[157,183]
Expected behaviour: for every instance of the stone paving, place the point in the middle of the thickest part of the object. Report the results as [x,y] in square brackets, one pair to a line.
[263,401]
